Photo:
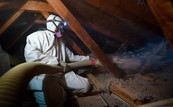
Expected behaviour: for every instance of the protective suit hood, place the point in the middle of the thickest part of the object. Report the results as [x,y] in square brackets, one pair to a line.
[50,25]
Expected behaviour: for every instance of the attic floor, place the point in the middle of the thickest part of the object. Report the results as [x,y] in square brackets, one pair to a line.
[149,76]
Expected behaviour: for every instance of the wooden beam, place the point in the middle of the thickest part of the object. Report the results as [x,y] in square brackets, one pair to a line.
[94,81]
[37,6]
[11,20]
[45,14]
[83,35]
[120,13]
[29,5]
[162,103]
[2,4]
[72,44]
[124,95]
[40,21]
[163,11]
[89,101]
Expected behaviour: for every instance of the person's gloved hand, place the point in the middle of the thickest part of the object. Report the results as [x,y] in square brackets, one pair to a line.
[95,62]
[66,67]
[98,63]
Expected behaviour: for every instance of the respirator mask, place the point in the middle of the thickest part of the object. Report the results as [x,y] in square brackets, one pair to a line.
[60,27]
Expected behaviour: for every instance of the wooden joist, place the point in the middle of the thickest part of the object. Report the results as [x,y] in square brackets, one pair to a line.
[124,95]
[83,35]
[89,101]
[163,11]
[94,81]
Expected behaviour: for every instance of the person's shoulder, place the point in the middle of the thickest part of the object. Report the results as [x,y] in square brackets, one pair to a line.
[36,34]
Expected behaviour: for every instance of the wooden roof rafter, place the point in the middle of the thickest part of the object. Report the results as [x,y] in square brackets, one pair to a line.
[29,5]
[61,9]
[94,26]
[114,10]
[163,11]
[43,8]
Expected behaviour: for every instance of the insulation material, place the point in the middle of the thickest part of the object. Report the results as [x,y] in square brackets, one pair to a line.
[149,73]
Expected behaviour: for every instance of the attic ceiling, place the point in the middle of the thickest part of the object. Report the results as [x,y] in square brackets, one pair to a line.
[110,23]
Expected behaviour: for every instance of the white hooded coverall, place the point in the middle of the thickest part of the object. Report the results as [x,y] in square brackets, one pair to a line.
[42,47]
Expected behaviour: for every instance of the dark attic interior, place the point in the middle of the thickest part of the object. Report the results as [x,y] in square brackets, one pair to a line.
[133,40]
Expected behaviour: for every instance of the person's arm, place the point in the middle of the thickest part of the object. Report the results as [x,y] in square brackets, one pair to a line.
[74,58]
[33,52]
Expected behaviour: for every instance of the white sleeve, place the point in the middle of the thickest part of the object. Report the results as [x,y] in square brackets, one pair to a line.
[73,58]
[33,53]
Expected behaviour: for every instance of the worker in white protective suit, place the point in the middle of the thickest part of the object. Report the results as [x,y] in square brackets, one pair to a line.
[45,47]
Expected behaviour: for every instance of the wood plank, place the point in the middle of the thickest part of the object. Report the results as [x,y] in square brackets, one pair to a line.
[11,20]
[121,90]
[40,21]
[29,5]
[45,14]
[72,44]
[118,12]
[2,4]
[94,81]
[163,11]
[115,96]
[89,101]
[83,35]
[124,95]
[162,103]
[37,6]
